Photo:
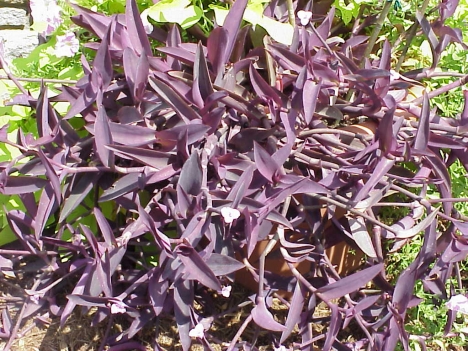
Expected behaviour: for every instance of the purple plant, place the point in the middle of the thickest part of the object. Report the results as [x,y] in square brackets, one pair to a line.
[191,157]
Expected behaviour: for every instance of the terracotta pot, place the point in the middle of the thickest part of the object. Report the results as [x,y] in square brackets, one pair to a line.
[344,258]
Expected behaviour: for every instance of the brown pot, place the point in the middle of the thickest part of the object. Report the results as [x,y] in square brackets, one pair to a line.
[344,258]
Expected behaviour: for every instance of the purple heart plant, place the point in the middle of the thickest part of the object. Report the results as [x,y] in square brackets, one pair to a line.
[172,164]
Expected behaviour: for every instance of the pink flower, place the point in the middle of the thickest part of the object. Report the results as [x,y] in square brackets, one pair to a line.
[47,13]
[229,214]
[197,332]
[118,307]
[226,291]
[304,16]
[67,45]
[458,303]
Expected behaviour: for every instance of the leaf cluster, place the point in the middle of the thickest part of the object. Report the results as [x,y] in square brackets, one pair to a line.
[170,169]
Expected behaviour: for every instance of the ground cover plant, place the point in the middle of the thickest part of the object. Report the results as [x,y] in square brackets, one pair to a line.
[169,167]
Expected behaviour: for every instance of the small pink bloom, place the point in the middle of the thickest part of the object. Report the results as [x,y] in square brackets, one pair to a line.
[48,12]
[67,45]
[458,303]
[229,214]
[118,307]
[304,16]
[197,332]
[226,291]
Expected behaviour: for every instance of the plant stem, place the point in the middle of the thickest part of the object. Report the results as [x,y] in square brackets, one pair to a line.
[410,34]
[40,80]
[376,31]
[442,90]
[291,16]
[244,325]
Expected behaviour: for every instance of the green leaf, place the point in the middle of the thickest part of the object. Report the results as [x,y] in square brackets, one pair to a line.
[280,32]
[176,11]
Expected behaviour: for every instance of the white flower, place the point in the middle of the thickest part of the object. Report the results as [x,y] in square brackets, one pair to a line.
[458,303]
[281,348]
[46,13]
[118,307]
[229,214]
[144,18]
[197,332]
[67,45]
[304,16]
[226,291]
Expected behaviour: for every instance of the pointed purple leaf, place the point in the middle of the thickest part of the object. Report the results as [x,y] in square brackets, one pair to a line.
[196,268]
[80,190]
[152,158]
[183,301]
[191,175]
[350,283]
[136,31]
[174,100]
[124,185]
[223,265]
[232,24]
[263,318]
[295,310]
[262,88]
[265,163]
[422,135]
[217,43]
[103,138]
[22,185]
[310,97]
[106,230]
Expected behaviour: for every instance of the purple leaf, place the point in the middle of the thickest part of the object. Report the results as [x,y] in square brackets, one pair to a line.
[102,63]
[222,264]
[265,163]
[238,190]
[232,24]
[183,301]
[263,318]
[158,291]
[136,30]
[155,159]
[295,310]
[22,185]
[173,40]
[196,268]
[262,88]
[124,185]
[80,190]
[201,75]
[217,46]
[47,203]
[422,135]
[335,322]
[174,100]
[53,178]
[382,167]
[361,236]
[131,135]
[95,22]
[191,175]
[349,284]
[309,97]
[103,138]
[106,230]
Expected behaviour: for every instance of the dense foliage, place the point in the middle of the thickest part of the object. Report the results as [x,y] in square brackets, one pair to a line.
[170,166]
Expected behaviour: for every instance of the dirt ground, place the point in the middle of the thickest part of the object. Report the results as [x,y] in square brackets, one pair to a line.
[77,335]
